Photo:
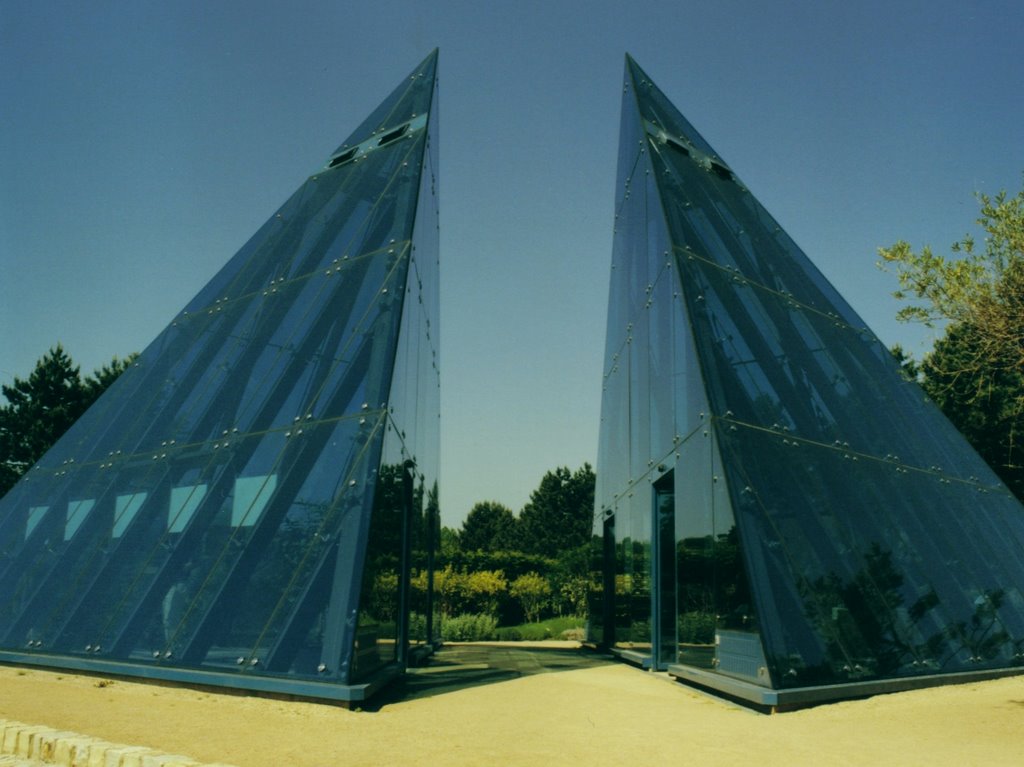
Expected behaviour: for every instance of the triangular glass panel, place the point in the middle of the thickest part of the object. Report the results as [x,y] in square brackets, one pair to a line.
[783,513]
[228,506]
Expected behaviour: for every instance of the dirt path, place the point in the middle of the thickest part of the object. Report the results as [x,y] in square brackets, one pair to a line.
[598,715]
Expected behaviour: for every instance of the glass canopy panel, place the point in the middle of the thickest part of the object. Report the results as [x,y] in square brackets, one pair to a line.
[77,512]
[213,502]
[78,521]
[240,576]
[695,553]
[632,582]
[380,599]
[853,533]
[182,506]
[630,227]
[829,385]
[649,391]
[887,573]
[413,431]
[35,514]
[252,494]
[613,445]
[125,509]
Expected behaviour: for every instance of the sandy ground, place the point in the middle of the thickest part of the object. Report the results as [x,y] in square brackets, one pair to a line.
[605,715]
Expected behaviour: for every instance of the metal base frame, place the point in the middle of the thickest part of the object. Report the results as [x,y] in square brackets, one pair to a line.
[801,697]
[330,691]
[634,657]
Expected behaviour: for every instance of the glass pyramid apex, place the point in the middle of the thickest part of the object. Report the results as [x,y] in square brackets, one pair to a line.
[226,508]
[657,111]
[409,100]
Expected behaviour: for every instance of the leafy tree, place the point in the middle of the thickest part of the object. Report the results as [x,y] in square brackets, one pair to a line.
[512,563]
[532,590]
[981,288]
[490,526]
[449,587]
[418,585]
[559,515]
[910,367]
[974,373]
[484,589]
[575,592]
[570,579]
[383,604]
[448,548]
[43,406]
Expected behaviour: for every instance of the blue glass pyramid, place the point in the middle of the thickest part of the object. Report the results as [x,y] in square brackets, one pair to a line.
[250,503]
[784,516]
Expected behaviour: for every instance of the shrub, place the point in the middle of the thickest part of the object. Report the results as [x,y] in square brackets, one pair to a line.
[384,596]
[449,588]
[575,592]
[418,591]
[532,591]
[512,563]
[483,590]
[697,627]
[418,627]
[639,631]
[469,628]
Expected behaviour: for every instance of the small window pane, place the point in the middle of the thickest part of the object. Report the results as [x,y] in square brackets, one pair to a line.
[125,508]
[184,502]
[251,496]
[35,516]
[77,512]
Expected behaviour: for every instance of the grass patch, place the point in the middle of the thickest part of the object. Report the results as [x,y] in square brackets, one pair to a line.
[552,628]
[469,628]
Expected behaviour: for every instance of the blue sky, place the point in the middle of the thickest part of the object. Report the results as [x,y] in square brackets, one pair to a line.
[142,143]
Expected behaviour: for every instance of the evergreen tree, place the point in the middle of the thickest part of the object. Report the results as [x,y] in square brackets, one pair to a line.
[42,407]
[984,404]
[448,545]
[559,516]
[103,377]
[490,526]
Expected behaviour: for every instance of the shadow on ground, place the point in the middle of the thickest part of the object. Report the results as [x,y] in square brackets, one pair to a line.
[460,666]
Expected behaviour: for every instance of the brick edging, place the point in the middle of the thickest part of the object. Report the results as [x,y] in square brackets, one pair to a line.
[46,745]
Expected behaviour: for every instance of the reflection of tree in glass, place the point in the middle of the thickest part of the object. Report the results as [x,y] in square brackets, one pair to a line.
[295,544]
[631,602]
[870,632]
[983,636]
[636,587]
[713,588]
[399,491]
[426,532]
[383,548]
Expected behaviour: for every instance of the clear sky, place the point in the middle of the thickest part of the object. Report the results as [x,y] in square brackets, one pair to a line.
[142,143]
